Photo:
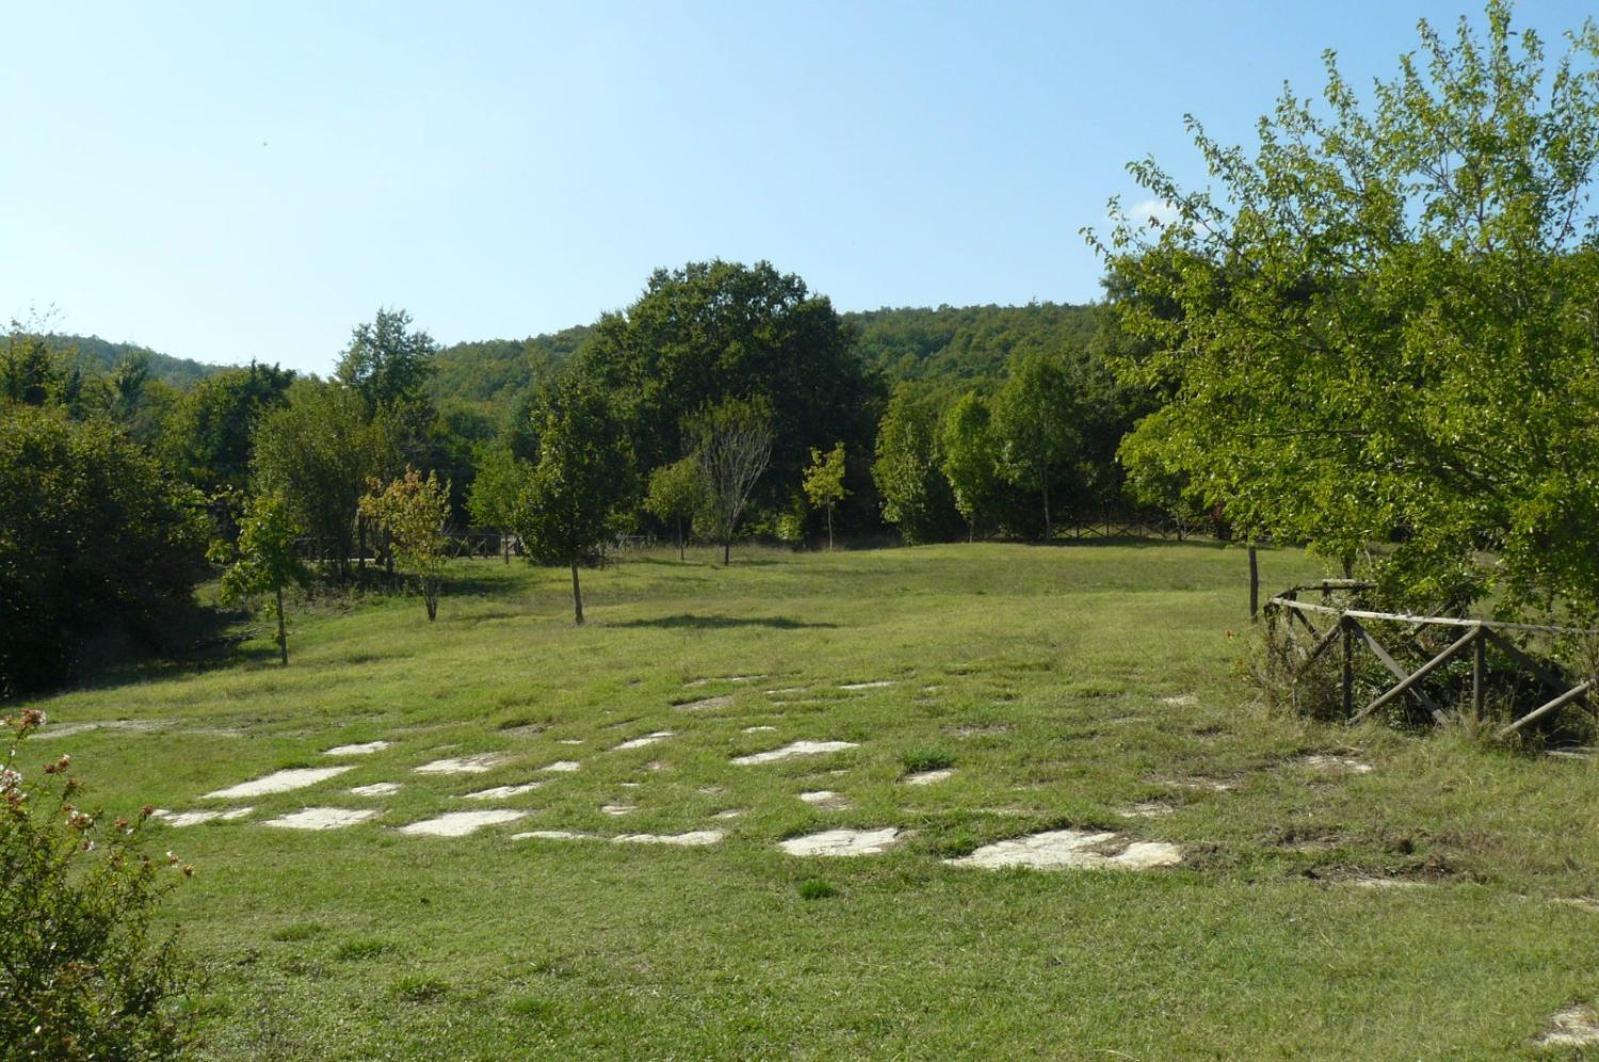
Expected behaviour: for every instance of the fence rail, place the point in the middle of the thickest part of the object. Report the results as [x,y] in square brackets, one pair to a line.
[1350,630]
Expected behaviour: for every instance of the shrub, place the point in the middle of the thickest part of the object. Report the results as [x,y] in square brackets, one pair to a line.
[83,974]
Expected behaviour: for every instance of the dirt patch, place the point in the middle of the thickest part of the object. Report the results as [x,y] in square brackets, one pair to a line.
[641,742]
[364,749]
[1181,700]
[278,782]
[843,842]
[971,730]
[461,823]
[1336,764]
[692,839]
[500,791]
[706,704]
[138,726]
[323,818]
[930,777]
[1581,903]
[377,789]
[1206,785]
[711,790]
[1149,809]
[794,749]
[825,799]
[1072,849]
[1573,1027]
[482,763]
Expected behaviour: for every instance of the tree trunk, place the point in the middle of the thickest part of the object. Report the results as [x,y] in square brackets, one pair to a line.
[505,545]
[680,538]
[971,529]
[360,542]
[577,596]
[829,529]
[727,551]
[283,633]
[1049,530]
[430,596]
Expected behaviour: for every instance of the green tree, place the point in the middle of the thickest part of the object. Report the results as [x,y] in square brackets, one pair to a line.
[207,437]
[414,511]
[732,442]
[266,559]
[970,457]
[1033,417]
[387,362]
[1377,325]
[915,495]
[496,484]
[824,482]
[677,492]
[318,451]
[584,474]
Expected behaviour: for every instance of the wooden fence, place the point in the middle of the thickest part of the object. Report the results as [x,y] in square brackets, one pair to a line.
[1306,630]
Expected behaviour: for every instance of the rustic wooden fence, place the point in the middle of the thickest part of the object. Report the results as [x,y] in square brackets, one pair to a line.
[1305,630]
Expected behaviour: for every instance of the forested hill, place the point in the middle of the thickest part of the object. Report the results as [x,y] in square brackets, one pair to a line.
[97,357]
[957,344]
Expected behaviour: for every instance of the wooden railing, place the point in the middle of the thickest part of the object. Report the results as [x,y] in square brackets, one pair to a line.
[1297,622]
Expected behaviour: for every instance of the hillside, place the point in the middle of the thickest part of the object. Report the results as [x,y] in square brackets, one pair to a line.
[96,356]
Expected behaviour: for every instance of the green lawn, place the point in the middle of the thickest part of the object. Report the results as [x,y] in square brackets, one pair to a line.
[1064,685]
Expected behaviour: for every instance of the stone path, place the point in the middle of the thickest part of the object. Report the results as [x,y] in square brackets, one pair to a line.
[797,748]
[277,782]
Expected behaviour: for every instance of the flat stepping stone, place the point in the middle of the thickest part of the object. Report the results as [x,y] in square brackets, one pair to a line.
[825,799]
[930,777]
[1149,809]
[377,789]
[797,748]
[1071,849]
[695,683]
[181,819]
[842,842]
[323,818]
[552,835]
[692,839]
[728,813]
[278,782]
[499,791]
[1573,1027]
[570,741]
[760,730]
[1181,700]
[711,790]
[562,767]
[482,763]
[706,704]
[786,690]
[1337,765]
[641,742]
[618,809]
[364,749]
[879,684]
[461,823]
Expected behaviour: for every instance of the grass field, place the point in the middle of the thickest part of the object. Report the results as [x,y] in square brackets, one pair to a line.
[1064,686]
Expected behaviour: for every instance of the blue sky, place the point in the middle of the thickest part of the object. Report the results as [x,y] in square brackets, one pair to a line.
[226,181]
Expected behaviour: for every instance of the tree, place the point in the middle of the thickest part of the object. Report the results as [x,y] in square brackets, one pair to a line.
[676,493]
[583,475]
[824,482]
[94,540]
[387,362]
[207,437]
[732,442]
[499,478]
[318,451]
[715,331]
[414,511]
[1378,325]
[906,470]
[1033,417]
[970,457]
[266,559]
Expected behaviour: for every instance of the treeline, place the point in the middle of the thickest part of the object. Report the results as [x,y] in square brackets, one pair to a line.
[726,401]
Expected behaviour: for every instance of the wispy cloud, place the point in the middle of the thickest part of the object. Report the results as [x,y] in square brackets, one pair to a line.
[1158,209]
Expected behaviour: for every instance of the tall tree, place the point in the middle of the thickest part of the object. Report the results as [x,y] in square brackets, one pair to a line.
[498,480]
[732,441]
[676,495]
[1034,418]
[970,457]
[906,470]
[388,362]
[207,436]
[824,482]
[266,559]
[583,475]
[1378,324]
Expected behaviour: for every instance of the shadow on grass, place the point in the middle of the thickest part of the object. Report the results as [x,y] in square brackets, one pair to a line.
[691,621]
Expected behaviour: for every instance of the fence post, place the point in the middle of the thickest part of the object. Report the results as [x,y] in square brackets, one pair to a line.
[1478,668]
[1254,585]
[1349,666]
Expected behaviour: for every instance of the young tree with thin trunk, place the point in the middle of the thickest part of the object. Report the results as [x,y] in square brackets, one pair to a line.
[824,482]
[492,498]
[971,458]
[1034,416]
[267,561]
[677,493]
[732,442]
[584,474]
[413,511]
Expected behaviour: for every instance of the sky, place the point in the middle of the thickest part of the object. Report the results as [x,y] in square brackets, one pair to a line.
[228,181]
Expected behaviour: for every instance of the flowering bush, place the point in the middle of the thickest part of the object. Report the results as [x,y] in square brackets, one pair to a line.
[82,973]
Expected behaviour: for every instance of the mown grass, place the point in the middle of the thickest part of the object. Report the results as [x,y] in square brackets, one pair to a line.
[1063,685]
